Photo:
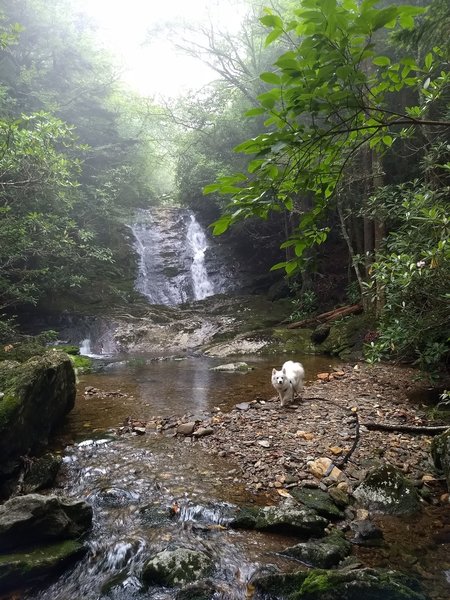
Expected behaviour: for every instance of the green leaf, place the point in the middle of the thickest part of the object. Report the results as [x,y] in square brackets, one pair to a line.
[269,77]
[428,60]
[272,21]
[221,225]
[253,112]
[273,35]
[381,61]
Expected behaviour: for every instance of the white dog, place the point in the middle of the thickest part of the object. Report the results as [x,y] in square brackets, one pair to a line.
[288,381]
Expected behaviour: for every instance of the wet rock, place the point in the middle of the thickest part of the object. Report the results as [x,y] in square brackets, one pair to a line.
[339,495]
[38,394]
[366,533]
[155,515]
[186,428]
[284,518]
[237,366]
[41,473]
[203,431]
[318,584]
[319,501]
[31,519]
[386,490]
[31,566]
[440,451]
[324,553]
[174,568]
[244,406]
[204,590]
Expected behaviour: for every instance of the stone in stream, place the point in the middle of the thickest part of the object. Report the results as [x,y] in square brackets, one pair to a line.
[34,518]
[241,367]
[324,553]
[344,584]
[287,518]
[175,568]
[29,566]
[319,501]
[386,490]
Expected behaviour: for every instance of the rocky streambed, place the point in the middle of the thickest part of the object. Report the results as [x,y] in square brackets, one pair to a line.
[347,471]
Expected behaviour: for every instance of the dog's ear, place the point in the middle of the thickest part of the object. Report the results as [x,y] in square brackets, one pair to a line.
[284,370]
[274,371]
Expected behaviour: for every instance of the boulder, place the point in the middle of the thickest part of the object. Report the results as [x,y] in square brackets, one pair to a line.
[440,451]
[318,584]
[37,395]
[319,501]
[176,568]
[41,473]
[324,553]
[32,519]
[287,518]
[386,490]
[31,566]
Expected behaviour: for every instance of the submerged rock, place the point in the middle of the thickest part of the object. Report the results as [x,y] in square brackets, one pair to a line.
[242,367]
[174,568]
[317,584]
[386,490]
[33,519]
[319,501]
[324,553]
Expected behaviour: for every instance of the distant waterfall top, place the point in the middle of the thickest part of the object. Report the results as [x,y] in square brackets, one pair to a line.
[177,261]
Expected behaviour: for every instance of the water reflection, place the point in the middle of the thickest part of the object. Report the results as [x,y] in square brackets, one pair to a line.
[144,389]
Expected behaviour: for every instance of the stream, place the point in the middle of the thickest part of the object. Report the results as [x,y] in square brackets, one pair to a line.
[133,481]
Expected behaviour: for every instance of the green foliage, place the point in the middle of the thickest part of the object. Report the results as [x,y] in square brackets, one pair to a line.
[43,246]
[412,272]
[330,97]
[304,306]
[77,155]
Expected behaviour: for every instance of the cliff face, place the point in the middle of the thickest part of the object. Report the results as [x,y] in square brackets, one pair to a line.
[36,395]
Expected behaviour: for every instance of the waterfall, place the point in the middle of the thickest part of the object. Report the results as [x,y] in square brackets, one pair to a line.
[174,265]
[196,239]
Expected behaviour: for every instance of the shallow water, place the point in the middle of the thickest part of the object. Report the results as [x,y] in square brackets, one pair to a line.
[149,494]
[133,482]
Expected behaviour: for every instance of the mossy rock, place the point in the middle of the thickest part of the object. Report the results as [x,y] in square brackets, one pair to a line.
[37,564]
[386,490]
[318,584]
[346,336]
[37,395]
[294,341]
[319,501]
[175,568]
[284,518]
[324,553]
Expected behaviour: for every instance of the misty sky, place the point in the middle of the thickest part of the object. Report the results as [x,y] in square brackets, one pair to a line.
[156,68]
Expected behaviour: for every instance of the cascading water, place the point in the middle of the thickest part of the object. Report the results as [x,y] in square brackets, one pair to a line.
[196,239]
[174,265]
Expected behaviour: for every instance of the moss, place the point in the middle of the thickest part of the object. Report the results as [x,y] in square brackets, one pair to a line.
[82,363]
[36,564]
[316,581]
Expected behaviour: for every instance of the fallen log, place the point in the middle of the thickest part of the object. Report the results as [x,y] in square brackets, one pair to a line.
[426,429]
[331,315]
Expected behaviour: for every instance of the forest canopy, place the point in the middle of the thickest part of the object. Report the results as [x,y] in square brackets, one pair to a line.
[326,125]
